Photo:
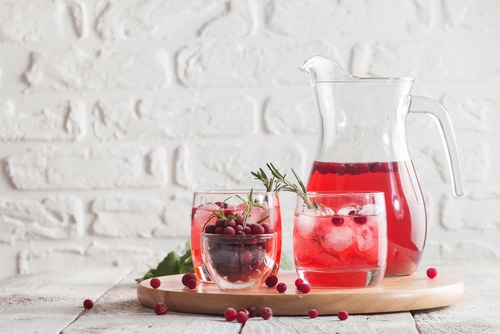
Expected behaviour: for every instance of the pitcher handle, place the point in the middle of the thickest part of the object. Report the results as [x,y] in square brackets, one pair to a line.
[426,105]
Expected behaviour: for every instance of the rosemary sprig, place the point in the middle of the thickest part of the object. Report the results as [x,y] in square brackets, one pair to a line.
[278,182]
[249,202]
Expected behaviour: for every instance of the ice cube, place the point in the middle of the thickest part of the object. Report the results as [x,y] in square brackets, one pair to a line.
[305,224]
[349,209]
[371,209]
[335,239]
[324,210]
[364,238]
[209,206]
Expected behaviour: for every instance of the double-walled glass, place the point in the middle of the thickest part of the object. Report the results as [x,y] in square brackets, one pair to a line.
[206,202]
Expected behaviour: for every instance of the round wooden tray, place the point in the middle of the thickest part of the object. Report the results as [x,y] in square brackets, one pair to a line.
[392,294]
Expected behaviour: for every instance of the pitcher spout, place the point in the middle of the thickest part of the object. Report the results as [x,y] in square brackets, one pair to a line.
[325,69]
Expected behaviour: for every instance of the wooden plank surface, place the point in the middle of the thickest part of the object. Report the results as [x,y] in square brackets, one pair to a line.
[389,323]
[51,303]
[479,312]
[120,312]
[48,302]
[393,294]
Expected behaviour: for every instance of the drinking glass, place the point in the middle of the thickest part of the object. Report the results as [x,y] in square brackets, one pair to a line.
[340,239]
[207,202]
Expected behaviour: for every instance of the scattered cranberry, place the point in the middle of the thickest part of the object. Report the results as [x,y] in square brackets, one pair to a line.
[281,287]
[298,282]
[190,280]
[242,317]
[305,288]
[432,273]
[266,313]
[313,313]
[161,309]
[244,310]
[230,314]
[271,281]
[252,311]
[155,283]
[343,315]
[88,304]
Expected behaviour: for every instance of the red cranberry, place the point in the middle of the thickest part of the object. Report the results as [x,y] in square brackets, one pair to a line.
[432,273]
[252,312]
[305,288]
[190,280]
[281,287]
[313,313]
[161,309]
[239,219]
[241,317]
[258,229]
[210,229]
[343,315]
[266,313]
[88,304]
[243,309]
[298,282]
[267,228]
[155,283]
[230,314]
[229,230]
[271,281]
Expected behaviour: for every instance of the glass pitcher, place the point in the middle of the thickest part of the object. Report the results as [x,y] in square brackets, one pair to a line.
[363,147]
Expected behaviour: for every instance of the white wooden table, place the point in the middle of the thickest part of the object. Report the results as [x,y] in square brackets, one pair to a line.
[52,303]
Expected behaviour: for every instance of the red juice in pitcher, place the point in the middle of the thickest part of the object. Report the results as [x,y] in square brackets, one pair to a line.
[406,217]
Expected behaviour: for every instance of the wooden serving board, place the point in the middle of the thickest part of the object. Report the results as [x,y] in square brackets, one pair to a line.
[392,294]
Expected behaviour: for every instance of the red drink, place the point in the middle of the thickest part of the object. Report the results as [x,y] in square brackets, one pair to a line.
[343,242]
[406,218]
[205,205]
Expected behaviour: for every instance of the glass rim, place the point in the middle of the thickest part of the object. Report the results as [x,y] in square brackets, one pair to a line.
[390,80]
[240,237]
[233,191]
[342,193]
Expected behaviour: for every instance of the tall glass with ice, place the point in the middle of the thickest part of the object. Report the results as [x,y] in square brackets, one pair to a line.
[340,239]
[266,209]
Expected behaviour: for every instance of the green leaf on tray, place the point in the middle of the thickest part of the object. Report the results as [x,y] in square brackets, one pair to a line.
[286,263]
[172,264]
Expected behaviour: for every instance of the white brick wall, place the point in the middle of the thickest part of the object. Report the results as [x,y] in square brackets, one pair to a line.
[113,112]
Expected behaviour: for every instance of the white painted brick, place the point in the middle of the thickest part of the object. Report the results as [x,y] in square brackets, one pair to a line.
[51,218]
[64,257]
[228,165]
[40,21]
[79,69]
[155,119]
[153,19]
[50,121]
[291,113]
[356,17]
[240,20]
[475,216]
[124,217]
[99,167]
[236,64]
[217,83]
[473,250]
[481,15]
[436,60]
